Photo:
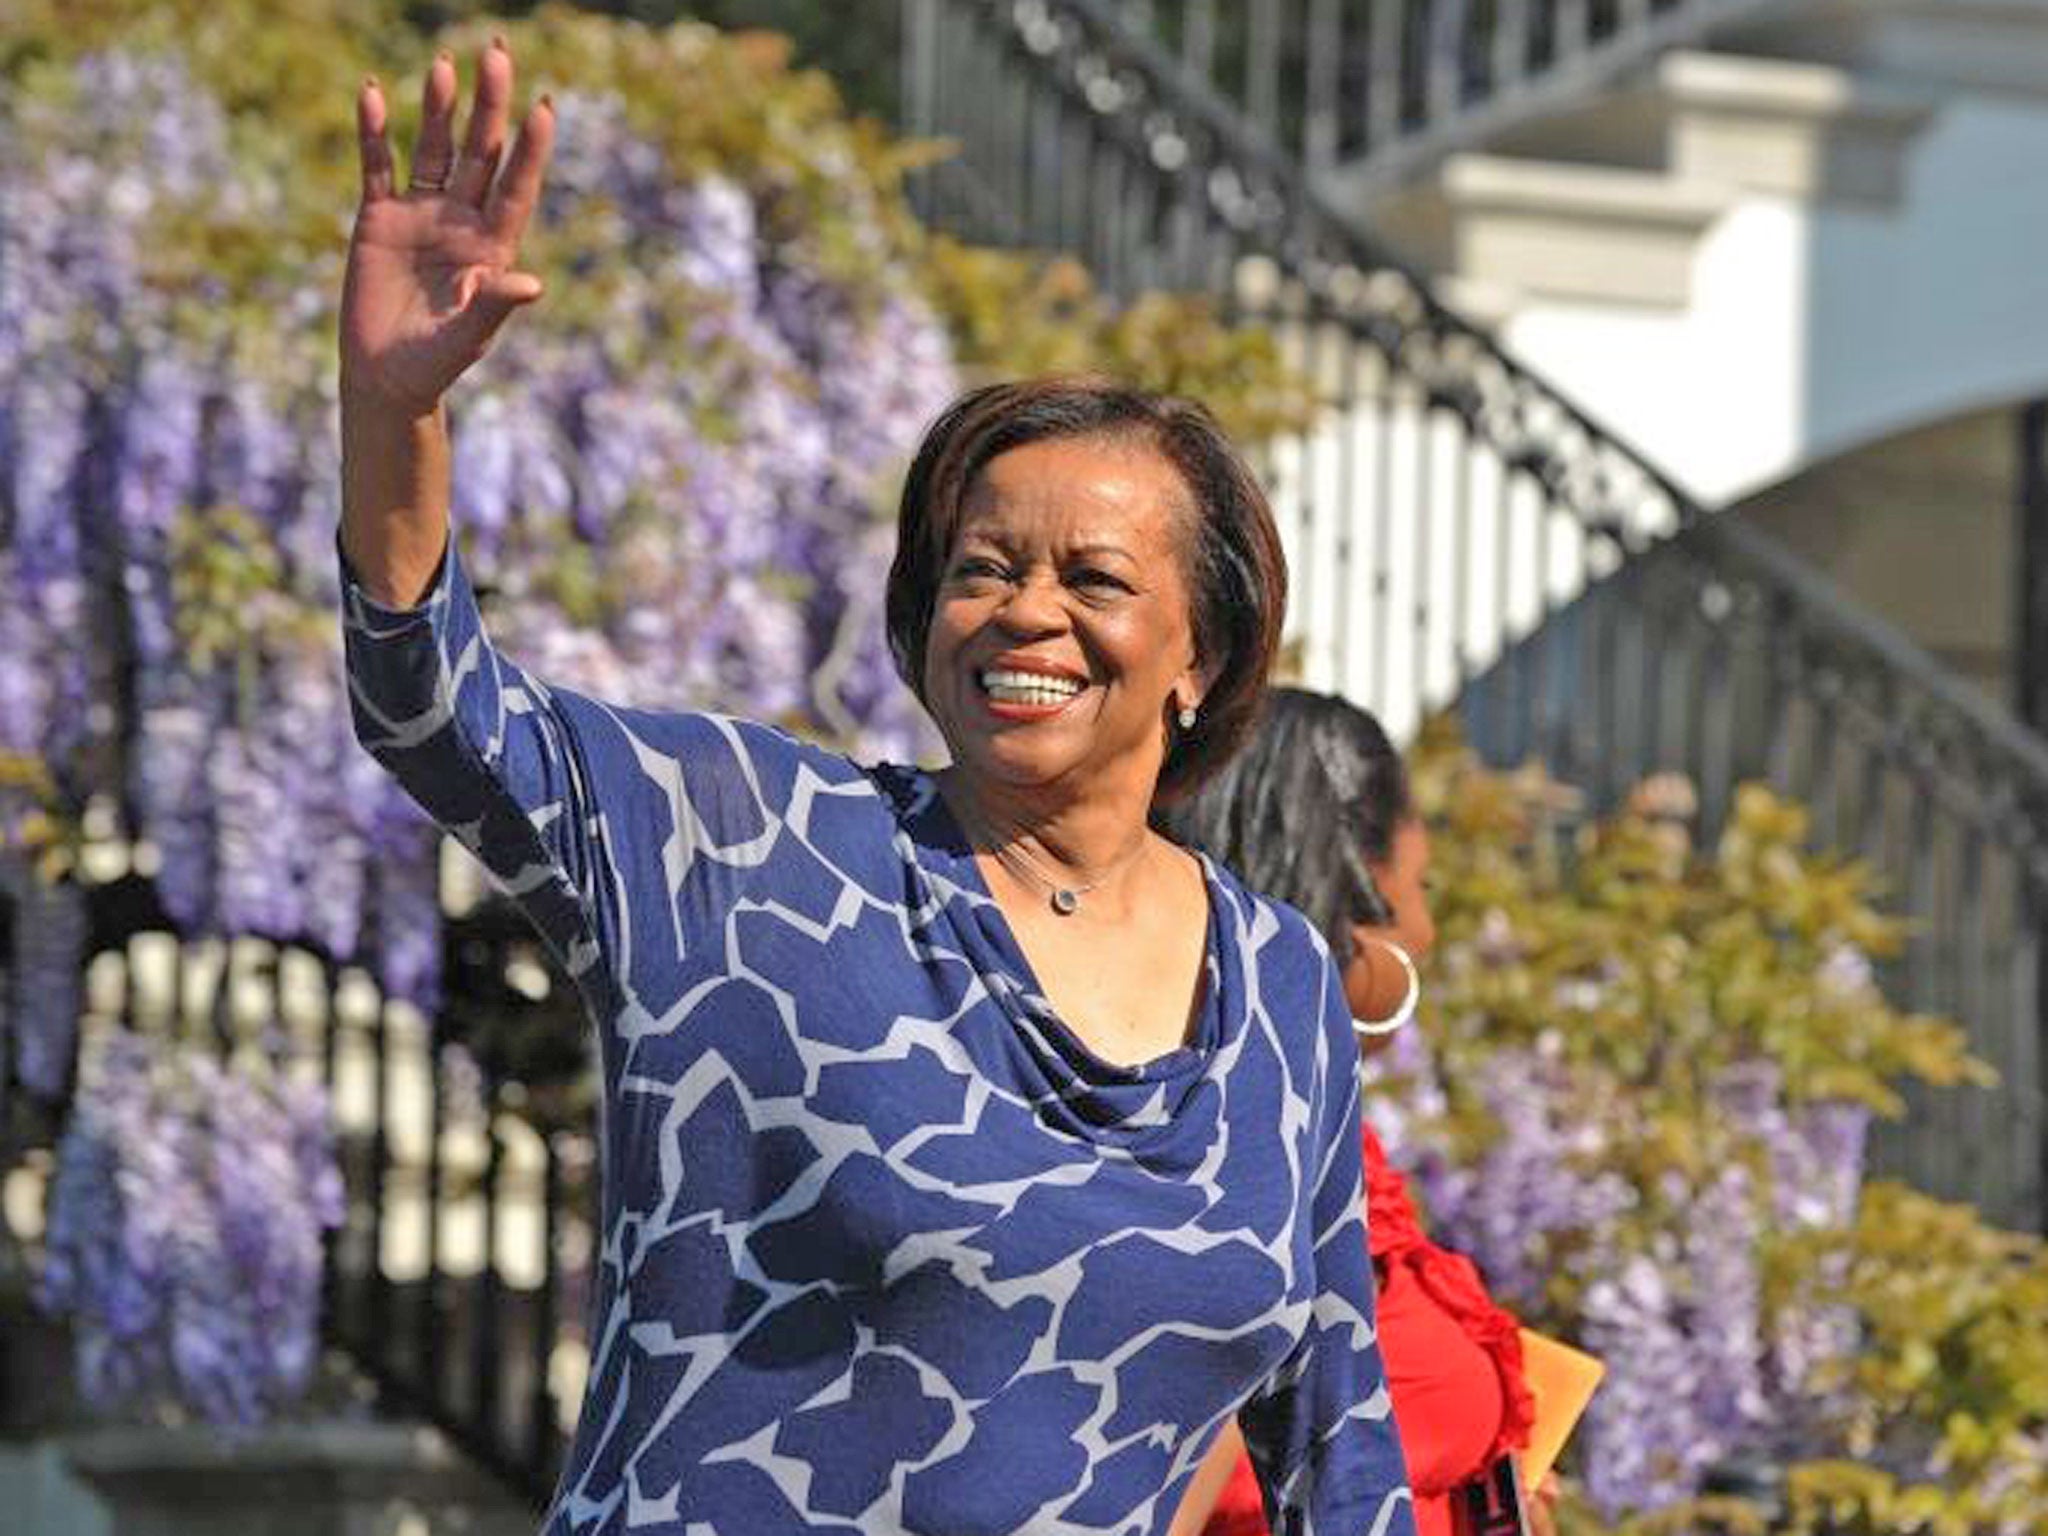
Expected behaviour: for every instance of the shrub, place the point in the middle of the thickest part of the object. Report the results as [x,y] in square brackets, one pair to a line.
[1640,1099]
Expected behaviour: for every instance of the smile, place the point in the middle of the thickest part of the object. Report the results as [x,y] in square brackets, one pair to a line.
[1038,690]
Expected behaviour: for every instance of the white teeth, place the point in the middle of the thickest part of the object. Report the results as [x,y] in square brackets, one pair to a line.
[1013,687]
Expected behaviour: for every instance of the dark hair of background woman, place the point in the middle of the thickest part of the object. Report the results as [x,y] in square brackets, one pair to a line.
[1314,796]
[1237,575]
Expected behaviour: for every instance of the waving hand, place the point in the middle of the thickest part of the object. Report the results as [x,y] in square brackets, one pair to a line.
[433,270]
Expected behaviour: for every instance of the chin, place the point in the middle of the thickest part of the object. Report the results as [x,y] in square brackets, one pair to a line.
[1012,762]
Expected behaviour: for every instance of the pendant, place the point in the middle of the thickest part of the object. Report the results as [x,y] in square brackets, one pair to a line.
[1065,902]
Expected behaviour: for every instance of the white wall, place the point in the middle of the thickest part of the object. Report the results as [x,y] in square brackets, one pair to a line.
[1814,329]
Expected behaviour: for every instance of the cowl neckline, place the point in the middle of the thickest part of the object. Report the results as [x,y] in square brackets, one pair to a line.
[1073,1088]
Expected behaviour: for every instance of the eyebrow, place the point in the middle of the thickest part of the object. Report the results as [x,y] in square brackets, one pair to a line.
[1092,550]
[1104,549]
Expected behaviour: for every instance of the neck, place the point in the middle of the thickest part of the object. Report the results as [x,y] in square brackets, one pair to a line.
[1083,839]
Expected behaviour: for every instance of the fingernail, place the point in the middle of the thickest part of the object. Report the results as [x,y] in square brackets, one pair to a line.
[547,99]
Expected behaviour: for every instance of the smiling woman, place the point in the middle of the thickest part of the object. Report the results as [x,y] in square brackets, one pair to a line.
[967,1165]
[1147,493]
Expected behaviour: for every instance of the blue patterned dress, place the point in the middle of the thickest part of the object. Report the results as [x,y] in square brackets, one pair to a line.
[885,1248]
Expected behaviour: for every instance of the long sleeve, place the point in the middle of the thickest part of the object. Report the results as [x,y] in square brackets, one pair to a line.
[494,756]
[1321,1431]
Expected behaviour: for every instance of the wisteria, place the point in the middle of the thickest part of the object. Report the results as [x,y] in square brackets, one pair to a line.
[1813,1157]
[1665,1278]
[128,412]
[1539,1188]
[1668,1281]
[668,481]
[1642,1440]
[185,1231]
[41,990]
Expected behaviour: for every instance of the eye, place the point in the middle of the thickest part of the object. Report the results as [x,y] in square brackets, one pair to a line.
[978,568]
[1097,579]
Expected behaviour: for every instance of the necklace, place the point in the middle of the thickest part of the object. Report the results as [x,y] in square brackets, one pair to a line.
[1065,899]
[1063,896]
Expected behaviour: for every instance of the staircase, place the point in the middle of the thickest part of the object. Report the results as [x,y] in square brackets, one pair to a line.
[1462,531]
[1818,254]
[1367,92]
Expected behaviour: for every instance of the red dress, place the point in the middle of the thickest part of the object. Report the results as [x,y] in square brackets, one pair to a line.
[1454,1364]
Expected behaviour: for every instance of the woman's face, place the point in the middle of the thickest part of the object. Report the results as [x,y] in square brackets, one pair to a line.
[1062,639]
[1402,877]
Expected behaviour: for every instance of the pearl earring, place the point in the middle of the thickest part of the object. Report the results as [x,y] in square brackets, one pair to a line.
[1186,717]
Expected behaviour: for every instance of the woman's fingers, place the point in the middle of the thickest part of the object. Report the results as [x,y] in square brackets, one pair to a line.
[488,114]
[488,307]
[433,158]
[518,190]
[371,141]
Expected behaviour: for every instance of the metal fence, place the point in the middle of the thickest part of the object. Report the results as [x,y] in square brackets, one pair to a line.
[458,1278]
[1459,533]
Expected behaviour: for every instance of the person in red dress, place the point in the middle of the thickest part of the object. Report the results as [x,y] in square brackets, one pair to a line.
[1316,810]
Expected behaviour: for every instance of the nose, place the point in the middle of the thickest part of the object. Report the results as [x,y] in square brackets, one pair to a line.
[1425,933]
[1033,607]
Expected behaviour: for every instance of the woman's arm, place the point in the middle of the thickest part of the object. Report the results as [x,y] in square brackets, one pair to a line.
[1321,1433]
[545,786]
[495,757]
[431,277]
[1208,1483]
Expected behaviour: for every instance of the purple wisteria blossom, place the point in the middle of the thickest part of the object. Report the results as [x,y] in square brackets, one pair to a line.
[1666,1276]
[184,1242]
[42,985]
[1723,1307]
[1642,1437]
[670,480]
[1814,1157]
[1539,1188]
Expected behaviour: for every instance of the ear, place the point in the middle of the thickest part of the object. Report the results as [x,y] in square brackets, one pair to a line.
[1194,683]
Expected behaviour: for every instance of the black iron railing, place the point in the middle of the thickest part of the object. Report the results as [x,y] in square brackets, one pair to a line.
[455,1278]
[1459,532]
[1373,90]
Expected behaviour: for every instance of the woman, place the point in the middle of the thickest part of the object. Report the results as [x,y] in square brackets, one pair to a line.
[1315,810]
[967,1162]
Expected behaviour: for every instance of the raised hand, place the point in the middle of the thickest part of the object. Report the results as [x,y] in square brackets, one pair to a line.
[432,271]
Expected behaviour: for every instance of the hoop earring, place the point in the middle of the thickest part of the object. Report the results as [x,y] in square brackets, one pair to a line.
[1374,1028]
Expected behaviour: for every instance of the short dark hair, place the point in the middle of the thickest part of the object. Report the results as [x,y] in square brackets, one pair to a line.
[1237,575]
[1311,801]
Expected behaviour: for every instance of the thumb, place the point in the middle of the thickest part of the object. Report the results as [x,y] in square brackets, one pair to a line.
[491,305]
